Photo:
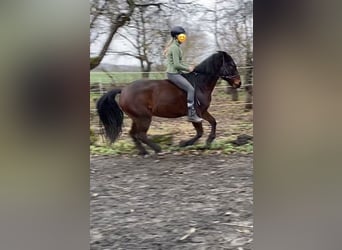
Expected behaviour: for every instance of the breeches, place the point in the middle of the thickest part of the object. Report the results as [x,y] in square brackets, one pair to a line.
[182,83]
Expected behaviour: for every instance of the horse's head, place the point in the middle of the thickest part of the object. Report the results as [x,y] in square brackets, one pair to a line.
[228,71]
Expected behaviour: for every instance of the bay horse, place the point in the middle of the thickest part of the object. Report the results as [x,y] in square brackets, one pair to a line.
[145,98]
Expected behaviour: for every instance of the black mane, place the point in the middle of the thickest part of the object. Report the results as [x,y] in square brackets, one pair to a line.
[210,65]
[208,69]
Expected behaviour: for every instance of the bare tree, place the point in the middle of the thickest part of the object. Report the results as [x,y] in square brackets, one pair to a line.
[142,36]
[144,27]
[149,31]
[109,16]
[232,22]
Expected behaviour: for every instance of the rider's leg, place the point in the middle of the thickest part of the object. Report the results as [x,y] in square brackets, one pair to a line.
[182,83]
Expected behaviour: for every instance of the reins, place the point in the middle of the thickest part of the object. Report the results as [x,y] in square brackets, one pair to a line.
[209,74]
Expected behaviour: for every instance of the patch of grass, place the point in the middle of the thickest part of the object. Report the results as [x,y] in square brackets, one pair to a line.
[118,148]
[125,147]
[121,78]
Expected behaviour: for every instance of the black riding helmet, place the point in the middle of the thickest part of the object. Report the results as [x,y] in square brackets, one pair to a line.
[175,31]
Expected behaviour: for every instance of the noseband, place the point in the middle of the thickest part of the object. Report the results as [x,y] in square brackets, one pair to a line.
[229,77]
[226,76]
[222,76]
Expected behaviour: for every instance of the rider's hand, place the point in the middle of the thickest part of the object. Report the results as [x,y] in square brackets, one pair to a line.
[191,68]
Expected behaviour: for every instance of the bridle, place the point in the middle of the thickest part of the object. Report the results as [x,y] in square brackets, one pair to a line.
[226,76]
[229,77]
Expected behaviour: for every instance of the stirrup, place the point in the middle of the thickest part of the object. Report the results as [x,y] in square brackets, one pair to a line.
[192,115]
[195,119]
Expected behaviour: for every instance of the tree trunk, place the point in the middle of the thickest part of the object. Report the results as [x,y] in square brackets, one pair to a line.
[120,21]
[146,70]
[249,79]
[233,92]
[249,97]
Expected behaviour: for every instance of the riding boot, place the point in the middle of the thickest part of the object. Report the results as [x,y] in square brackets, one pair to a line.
[192,116]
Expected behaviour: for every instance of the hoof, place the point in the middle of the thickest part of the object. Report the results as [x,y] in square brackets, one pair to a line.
[143,153]
[184,143]
[157,150]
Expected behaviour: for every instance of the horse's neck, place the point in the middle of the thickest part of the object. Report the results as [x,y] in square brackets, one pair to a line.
[202,83]
[208,87]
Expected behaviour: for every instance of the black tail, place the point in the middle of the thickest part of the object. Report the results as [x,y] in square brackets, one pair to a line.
[110,114]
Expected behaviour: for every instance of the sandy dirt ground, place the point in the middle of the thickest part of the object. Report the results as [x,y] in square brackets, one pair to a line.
[171,202]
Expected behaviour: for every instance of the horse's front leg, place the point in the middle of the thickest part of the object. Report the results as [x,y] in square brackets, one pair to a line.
[199,133]
[208,117]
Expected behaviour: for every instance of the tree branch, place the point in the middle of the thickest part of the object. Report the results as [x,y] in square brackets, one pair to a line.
[128,40]
[150,4]
[120,21]
[125,53]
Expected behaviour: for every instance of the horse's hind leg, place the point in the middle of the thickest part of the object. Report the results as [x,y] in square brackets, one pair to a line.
[133,134]
[143,125]
[199,133]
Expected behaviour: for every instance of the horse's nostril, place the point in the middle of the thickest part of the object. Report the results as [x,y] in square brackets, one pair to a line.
[238,84]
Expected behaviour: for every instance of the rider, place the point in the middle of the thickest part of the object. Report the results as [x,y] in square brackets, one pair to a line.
[175,67]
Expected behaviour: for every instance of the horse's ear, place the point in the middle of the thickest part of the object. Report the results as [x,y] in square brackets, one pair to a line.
[225,54]
[221,52]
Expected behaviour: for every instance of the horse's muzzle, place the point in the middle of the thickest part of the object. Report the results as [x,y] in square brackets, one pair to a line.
[234,81]
[237,83]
